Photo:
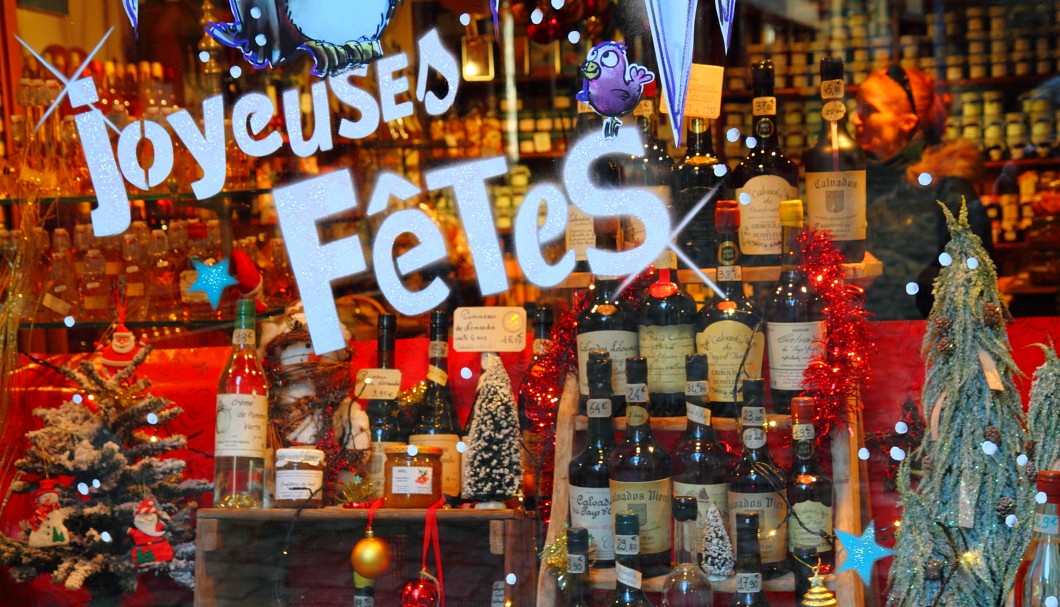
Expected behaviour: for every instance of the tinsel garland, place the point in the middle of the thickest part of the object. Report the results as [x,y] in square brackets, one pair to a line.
[835,380]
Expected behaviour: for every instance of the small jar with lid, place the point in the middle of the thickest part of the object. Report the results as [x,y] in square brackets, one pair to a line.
[413,476]
[299,478]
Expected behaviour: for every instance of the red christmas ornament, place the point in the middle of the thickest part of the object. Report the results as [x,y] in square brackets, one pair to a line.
[547,30]
[419,593]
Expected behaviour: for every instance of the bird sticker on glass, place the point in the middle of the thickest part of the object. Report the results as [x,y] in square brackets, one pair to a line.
[611,84]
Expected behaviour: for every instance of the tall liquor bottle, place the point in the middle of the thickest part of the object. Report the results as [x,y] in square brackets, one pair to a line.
[382,413]
[666,336]
[579,592]
[835,170]
[606,324]
[242,420]
[628,572]
[585,231]
[640,481]
[363,591]
[698,173]
[810,494]
[653,170]
[765,177]
[532,391]
[1038,576]
[589,471]
[795,322]
[687,585]
[728,329]
[757,483]
[748,562]
[438,424]
[701,465]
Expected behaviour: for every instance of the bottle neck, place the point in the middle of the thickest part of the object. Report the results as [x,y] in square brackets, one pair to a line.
[437,356]
[790,258]
[753,434]
[765,121]
[646,121]
[578,579]
[802,444]
[1047,522]
[601,433]
[699,139]
[686,548]
[748,565]
[386,349]
[638,423]
[730,276]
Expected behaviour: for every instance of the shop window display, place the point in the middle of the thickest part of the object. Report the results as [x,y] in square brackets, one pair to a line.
[529,302]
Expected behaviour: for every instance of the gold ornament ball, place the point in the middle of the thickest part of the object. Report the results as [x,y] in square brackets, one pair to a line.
[370,556]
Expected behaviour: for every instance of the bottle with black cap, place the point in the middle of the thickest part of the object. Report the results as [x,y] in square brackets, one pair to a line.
[382,412]
[748,563]
[606,323]
[628,575]
[579,591]
[438,424]
[687,585]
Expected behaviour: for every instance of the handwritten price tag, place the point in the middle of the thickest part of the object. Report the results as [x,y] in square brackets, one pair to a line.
[1047,523]
[489,329]
[748,582]
[636,393]
[754,438]
[833,110]
[377,384]
[575,563]
[704,91]
[764,106]
[697,414]
[833,89]
[598,407]
[802,432]
[695,388]
[753,416]
[497,600]
[627,544]
[628,576]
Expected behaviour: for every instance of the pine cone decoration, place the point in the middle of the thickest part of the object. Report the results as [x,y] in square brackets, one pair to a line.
[943,324]
[945,345]
[1005,506]
[992,434]
[1030,447]
[1031,471]
[933,570]
[992,315]
[926,464]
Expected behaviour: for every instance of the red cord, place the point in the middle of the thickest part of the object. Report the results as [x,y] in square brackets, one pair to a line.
[430,535]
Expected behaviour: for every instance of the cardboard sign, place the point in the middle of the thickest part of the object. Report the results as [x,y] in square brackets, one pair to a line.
[377,384]
[489,329]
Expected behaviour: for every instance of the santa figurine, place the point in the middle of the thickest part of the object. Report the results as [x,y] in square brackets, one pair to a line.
[248,276]
[148,534]
[120,350]
[47,526]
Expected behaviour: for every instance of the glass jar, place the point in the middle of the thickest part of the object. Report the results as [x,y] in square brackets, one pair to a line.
[299,478]
[413,476]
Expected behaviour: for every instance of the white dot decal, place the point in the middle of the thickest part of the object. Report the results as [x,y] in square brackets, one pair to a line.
[105,536]
[863,453]
[82,488]
[152,418]
[989,448]
[897,454]
[901,427]
[465,373]
[461,447]
[536,16]
[1021,460]
[745,198]
[77,399]
[465,19]
[912,288]
[69,321]
[1050,601]
[574,37]
[924,179]
[260,40]
[733,135]
[412,450]
[751,142]
[973,263]
[945,259]
[1041,497]
[255,12]
[95,483]
[720,170]
[235,71]
[510,578]
[558,4]
[1011,520]
[204,56]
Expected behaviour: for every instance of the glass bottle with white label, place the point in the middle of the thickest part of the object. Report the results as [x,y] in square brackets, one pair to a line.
[363,591]
[1038,576]
[729,329]
[640,480]
[697,175]
[135,276]
[749,576]
[584,231]
[810,493]
[757,484]
[579,591]
[94,287]
[702,464]
[652,170]
[60,297]
[589,471]
[628,574]
[438,424]
[687,585]
[765,177]
[242,420]
[835,170]
[795,320]
[382,412]
[666,336]
[607,324]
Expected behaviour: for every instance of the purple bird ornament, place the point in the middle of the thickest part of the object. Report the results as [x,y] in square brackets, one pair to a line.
[612,85]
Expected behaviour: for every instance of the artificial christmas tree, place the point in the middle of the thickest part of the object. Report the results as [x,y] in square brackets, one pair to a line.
[718,559]
[1042,413]
[493,471]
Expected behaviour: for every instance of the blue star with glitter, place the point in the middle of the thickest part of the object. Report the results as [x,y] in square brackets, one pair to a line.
[862,552]
[212,280]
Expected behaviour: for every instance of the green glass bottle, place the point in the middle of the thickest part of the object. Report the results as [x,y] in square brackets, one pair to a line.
[628,574]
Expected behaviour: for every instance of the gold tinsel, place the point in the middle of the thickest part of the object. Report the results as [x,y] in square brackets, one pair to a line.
[554,557]
[357,491]
[818,595]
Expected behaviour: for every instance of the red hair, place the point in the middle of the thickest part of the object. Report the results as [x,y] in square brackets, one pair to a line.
[931,107]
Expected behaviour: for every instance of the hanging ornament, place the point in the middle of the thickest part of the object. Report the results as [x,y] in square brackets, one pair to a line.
[992,315]
[370,556]
[943,324]
[1005,506]
[47,526]
[992,434]
[422,592]
[148,533]
[933,570]
[818,595]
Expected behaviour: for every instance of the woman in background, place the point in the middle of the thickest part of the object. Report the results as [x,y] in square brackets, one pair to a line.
[899,123]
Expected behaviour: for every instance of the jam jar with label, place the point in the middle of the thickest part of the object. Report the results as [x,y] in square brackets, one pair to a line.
[299,478]
[413,476]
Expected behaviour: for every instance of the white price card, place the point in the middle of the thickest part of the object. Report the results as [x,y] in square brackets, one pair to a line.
[704,91]
[482,329]
[377,384]
[497,600]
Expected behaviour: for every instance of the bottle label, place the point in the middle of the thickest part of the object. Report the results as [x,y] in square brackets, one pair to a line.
[646,108]
[243,337]
[438,349]
[298,484]
[803,432]
[627,545]
[598,407]
[665,348]
[1047,523]
[833,89]
[730,274]
[620,345]
[753,417]
[55,304]
[541,346]
[635,230]
[651,501]
[242,422]
[833,111]
[808,521]
[696,388]
[627,575]
[636,416]
[725,343]
[760,217]
[575,563]
[764,106]
[697,414]
[411,480]
[636,393]
[581,234]
[450,458]
[835,201]
[437,376]
[363,601]
[728,256]
[748,582]
[754,438]
[705,496]
[134,289]
[590,508]
[772,512]
[377,466]
[187,278]
[792,346]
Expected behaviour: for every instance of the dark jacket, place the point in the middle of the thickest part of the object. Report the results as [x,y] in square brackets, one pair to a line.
[906,229]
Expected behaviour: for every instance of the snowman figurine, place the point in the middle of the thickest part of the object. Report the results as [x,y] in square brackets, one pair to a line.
[47,525]
[148,535]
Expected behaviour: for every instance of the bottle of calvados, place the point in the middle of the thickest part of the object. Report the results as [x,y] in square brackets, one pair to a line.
[438,424]
[382,419]
[242,420]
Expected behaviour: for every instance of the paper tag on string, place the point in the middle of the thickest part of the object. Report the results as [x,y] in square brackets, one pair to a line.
[993,377]
[704,91]
[497,600]
[377,384]
[484,329]
[936,414]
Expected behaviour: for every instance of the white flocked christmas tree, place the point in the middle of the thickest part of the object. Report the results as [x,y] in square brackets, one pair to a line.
[493,471]
[717,560]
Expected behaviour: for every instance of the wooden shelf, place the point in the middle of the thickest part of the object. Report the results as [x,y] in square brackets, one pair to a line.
[454,515]
[1023,163]
[677,424]
[605,578]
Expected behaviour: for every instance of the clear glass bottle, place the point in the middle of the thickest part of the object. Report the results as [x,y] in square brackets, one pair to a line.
[628,575]
[579,591]
[589,470]
[60,298]
[163,290]
[135,277]
[687,585]
[94,287]
[438,424]
[1038,576]
[242,420]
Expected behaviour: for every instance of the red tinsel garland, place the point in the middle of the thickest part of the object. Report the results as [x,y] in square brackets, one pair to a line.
[835,380]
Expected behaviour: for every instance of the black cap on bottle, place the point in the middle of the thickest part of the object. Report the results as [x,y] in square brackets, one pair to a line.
[439,325]
[577,540]
[763,75]
[637,370]
[754,392]
[627,523]
[543,321]
[747,522]
[685,508]
[695,367]
[388,321]
[831,68]
[598,370]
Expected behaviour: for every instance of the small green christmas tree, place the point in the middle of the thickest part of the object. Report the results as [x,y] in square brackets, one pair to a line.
[493,470]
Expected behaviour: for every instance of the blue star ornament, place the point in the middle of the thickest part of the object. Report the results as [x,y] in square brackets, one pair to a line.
[862,552]
[212,280]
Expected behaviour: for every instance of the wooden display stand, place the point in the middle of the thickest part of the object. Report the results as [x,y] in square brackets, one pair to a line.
[847,478]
